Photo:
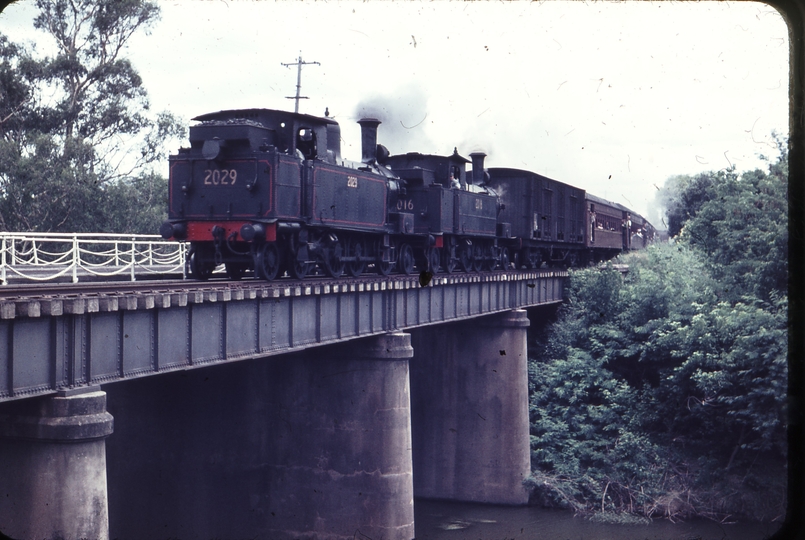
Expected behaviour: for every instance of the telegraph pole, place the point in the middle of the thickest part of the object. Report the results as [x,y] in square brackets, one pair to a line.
[299,63]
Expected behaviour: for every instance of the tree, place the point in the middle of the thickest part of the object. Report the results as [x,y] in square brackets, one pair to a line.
[648,376]
[75,124]
[742,228]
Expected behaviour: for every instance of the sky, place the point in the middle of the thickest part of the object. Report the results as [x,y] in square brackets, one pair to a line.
[611,97]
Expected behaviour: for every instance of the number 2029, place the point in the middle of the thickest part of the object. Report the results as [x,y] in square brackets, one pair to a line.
[220,177]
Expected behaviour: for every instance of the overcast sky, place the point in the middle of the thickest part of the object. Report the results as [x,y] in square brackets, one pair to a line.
[611,97]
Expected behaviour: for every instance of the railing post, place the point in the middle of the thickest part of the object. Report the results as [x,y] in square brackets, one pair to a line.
[76,258]
[183,259]
[3,262]
[133,254]
[117,253]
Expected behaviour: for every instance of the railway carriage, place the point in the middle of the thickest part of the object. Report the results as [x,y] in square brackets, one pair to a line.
[546,217]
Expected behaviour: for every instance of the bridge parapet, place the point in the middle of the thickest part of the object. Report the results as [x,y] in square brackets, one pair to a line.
[52,257]
[66,341]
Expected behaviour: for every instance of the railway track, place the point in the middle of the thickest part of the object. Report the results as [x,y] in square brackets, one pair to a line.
[51,299]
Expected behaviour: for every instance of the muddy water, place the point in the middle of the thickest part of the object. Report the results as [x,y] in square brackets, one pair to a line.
[438,520]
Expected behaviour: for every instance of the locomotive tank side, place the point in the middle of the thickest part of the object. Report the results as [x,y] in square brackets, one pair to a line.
[458,218]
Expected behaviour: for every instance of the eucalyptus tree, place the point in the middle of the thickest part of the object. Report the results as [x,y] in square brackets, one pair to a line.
[77,121]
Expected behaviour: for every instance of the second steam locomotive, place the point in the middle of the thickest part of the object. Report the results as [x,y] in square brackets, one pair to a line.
[267,191]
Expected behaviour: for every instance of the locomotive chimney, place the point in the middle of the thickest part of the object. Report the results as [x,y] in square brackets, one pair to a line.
[477,167]
[369,139]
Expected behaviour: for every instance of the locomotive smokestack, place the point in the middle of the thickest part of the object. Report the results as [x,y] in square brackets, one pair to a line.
[369,139]
[477,167]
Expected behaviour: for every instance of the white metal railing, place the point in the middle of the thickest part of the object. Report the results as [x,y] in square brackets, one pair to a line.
[50,256]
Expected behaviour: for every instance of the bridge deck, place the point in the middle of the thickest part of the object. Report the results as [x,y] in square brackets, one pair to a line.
[52,343]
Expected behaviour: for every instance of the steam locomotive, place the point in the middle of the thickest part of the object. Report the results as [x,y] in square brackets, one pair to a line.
[267,191]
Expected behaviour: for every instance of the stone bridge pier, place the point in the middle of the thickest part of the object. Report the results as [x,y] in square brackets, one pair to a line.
[332,442]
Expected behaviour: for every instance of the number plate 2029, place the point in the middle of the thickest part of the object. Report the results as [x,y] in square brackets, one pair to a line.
[220,177]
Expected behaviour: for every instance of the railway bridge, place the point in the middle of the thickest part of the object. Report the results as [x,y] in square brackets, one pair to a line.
[289,409]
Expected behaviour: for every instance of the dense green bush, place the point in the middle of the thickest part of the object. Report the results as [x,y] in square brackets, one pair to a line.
[662,392]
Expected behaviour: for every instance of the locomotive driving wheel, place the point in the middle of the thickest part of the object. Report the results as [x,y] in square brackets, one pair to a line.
[298,269]
[489,261]
[406,265]
[356,267]
[333,265]
[267,261]
[382,267]
[449,262]
[465,257]
[434,257]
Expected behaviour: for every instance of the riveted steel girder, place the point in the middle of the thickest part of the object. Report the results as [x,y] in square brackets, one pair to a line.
[57,344]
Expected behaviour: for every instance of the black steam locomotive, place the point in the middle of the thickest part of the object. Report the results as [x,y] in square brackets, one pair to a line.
[267,191]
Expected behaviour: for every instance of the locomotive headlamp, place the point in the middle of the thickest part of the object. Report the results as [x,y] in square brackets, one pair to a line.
[211,149]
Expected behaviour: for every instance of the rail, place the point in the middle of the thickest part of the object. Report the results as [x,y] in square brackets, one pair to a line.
[62,256]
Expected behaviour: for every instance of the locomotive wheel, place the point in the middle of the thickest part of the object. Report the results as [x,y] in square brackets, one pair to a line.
[465,257]
[355,268]
[489,260]
[235,270]
[384,268]
[333,265]
[504,259]
[406,259]
[433,260]
[477,258]
[198,266]
[267,262]
[449,262]
[298,269]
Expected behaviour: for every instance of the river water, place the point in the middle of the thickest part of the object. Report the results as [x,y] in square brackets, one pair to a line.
[440,520]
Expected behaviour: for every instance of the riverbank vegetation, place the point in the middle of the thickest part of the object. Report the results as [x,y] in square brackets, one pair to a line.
[662,392]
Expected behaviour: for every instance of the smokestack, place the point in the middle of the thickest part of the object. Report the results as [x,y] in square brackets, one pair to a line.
[477,167]
[369,139]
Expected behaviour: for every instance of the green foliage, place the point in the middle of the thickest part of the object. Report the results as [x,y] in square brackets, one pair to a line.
[651,389]
[76,128]
[739,223]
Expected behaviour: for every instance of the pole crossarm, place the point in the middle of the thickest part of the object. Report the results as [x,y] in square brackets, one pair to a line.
[299,63]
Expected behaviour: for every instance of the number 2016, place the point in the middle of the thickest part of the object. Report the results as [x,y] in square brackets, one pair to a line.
[220,177]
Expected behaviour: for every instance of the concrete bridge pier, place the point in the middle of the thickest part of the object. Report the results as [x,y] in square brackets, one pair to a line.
[53,467]
[469,403]
[312,445]
[343,469]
